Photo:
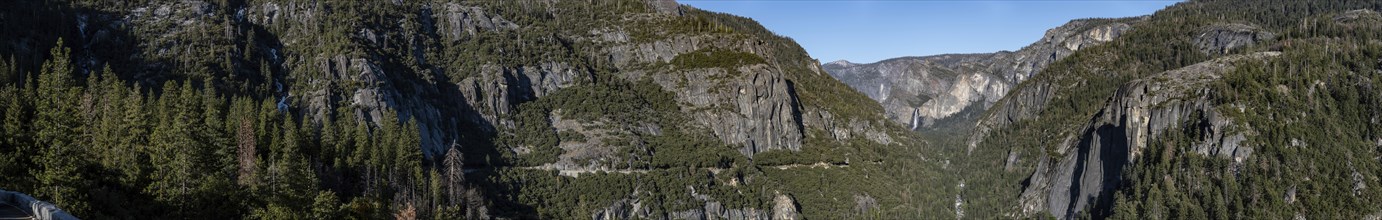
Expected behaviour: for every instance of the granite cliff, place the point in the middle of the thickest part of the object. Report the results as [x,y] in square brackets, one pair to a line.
[521,109]
[1186,108]
[946,91]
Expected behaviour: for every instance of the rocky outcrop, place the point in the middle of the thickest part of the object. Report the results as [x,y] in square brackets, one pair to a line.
[842,129]
[753,106]
[924,91]
[499,89]
[597,144]
[372,88]
[784,207]
[863,204]
[491,97]
[1025,102]
[669,7]
[1359,19]
[664,50]
[1084,170]
[768,116]
[1224,38]
[622,209]
[457,20]
[716,210]
[765,114]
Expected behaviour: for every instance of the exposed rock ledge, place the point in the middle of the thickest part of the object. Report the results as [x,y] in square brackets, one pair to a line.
[1224,38]
[784,207]
[1091,162]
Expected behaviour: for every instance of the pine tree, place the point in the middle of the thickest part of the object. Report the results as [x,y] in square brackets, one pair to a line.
[382,154]
[89,110]
[216,129]
[408,155]
[106,128]
[170,143]
[407,163]
[360,135]
[60,156]
[133,133]
[1124,209]
[335,141]
[13,162]
[326,206]
[9,75]
[292,183]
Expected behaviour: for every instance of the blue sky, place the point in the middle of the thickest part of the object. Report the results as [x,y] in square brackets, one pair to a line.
[869,31]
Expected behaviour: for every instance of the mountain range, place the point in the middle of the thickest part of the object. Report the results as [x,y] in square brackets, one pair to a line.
[649,109]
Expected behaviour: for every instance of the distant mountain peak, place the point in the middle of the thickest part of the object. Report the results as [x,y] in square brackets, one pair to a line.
[844,63]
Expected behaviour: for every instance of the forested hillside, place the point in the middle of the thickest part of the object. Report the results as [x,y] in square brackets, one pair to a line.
[439,109]
[1211,109]
[647,109]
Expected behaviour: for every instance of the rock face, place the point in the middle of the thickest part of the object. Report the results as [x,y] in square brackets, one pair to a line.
[1358,15]
[769,116]
[484,100]
[946,90]
[756,107]
[670,7]
[763,111]
[1027,100]
[784,207]
[622,209]
[1091,161]
[457,20]
[1223,38]
[490,81]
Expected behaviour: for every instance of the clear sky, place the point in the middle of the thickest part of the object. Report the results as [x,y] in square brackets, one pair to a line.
[869,31]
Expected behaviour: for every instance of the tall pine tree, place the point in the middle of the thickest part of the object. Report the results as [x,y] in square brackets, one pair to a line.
[61,153]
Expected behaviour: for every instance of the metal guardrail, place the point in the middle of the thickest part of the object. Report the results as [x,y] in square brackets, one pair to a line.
[34,208]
